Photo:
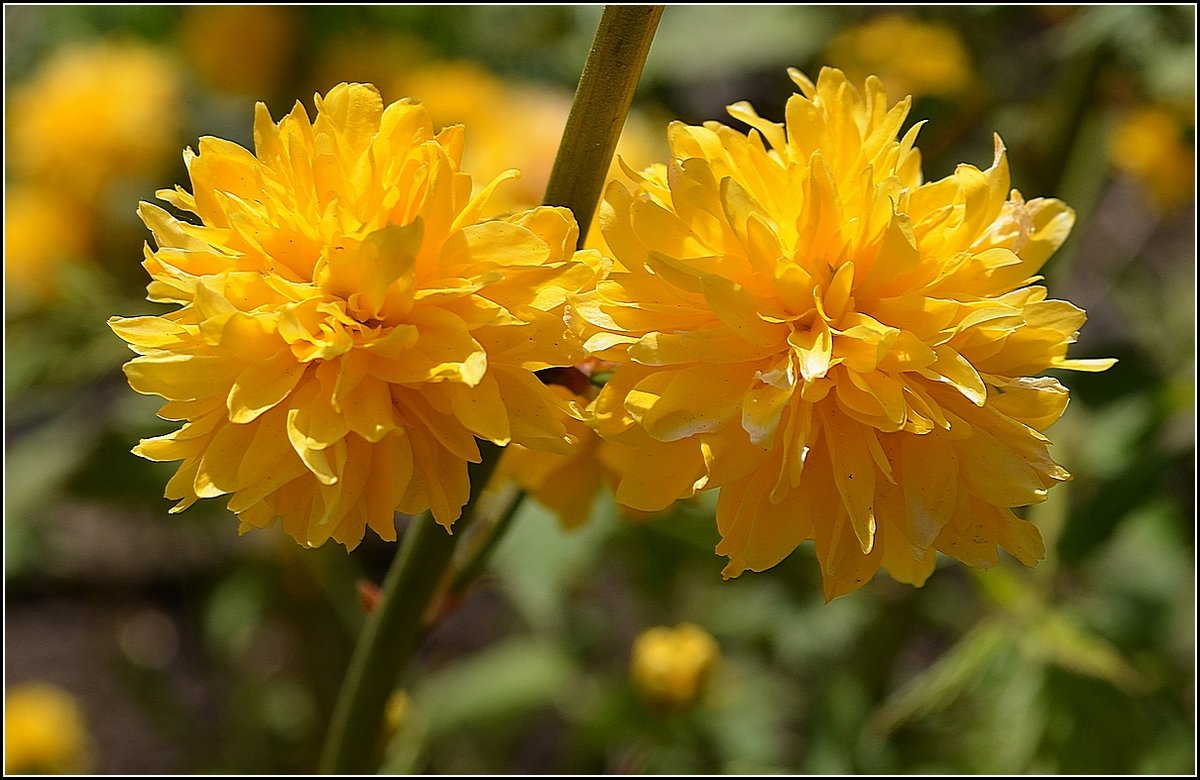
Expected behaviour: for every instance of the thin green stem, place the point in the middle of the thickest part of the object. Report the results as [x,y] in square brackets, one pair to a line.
[390,635]
[475,566]
[610,76]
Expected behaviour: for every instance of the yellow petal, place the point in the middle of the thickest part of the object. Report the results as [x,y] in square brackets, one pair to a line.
[656,475]
[262,385]
[853,472]
[959,373]
[145,333]
[929,479]
[480,409]
[740,311]
[814,349]
[369,410]
[756,534]
[675,405]
[491,245]
[761,411]
[181,376]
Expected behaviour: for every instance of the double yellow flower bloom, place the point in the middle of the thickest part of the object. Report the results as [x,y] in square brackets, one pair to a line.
[851,355]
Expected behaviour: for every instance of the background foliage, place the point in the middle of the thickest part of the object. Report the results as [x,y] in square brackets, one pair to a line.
[191,650]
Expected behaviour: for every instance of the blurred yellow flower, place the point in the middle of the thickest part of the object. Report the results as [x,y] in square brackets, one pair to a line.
[1153,145]
[565,484]
[374,56]
[93,114]
[45,732]
[671,666]
[910,56]
[42,233]
[849,354]
[248,49]
[349,325]
[513,125]
[398,710]
[568,484]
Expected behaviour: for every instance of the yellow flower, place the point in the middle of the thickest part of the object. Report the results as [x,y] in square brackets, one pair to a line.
[348,325]
[93,114]
[564,484]
[45,732]
[849,354]
[1152,145]
[42,234]
[911,56]
[671,666]
[513,125]
[510,127]
[248,49]
[567,484]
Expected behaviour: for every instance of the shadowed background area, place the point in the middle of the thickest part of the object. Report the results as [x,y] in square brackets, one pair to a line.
[142,642]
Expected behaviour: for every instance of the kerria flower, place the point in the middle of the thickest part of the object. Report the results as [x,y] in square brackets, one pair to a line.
[348,326]
[672,667]
[851,355]
[45,732]
[568,484]
[912,56]
[92,114]
[1153,145]
[33,262]
[247,49]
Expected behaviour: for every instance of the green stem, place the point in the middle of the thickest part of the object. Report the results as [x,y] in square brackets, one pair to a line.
[610,76]
[474,567]
[391,632]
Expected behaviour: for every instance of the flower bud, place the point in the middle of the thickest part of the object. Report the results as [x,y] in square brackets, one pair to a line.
[671,666]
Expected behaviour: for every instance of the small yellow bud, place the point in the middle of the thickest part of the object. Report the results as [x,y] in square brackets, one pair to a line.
[44,732]
[399,706]
[671,666]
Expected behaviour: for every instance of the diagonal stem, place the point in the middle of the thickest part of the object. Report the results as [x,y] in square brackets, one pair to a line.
[478,561]
[390,635]
[610,76]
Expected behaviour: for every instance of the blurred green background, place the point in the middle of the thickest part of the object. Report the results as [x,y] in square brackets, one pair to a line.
[182,648]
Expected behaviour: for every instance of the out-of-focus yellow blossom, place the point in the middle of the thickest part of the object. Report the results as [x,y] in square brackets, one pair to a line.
[348,324]
[373,56]
[398,711]
[565,484]
[42,233]
[671,666]
[568,484]
[93,114]
[1152,144]
[247,49]
[849,354]
[45,732]
[908,55]
[513,125]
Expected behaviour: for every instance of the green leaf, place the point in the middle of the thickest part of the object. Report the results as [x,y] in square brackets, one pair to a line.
[1058,639]
[943,682]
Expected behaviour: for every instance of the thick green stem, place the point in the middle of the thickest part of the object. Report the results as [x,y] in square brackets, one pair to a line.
[602,100]
[390,635]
